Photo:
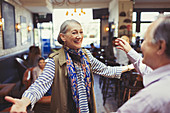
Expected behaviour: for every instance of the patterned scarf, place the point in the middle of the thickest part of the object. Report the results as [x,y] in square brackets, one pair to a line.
[80,79]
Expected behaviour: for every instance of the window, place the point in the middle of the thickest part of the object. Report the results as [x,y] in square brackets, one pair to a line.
[149,16]
[142,18]
[166,13]
[143,28]
[134,16]
[134,28]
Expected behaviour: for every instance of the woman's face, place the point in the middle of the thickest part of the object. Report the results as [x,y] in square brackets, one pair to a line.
[41,64]
[74,36]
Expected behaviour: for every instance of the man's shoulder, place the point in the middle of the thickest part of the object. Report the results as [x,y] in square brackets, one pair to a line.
[96,48]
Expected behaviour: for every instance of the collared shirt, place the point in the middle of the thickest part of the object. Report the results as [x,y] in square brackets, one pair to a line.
[136,59]
[155,97]
[45,80]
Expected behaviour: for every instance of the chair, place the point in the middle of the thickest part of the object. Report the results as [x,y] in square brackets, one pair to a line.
[131,83]
[110,85]
[8,89]
[6,110]
[43,105]
[135,87]
[24,56]
[21,67]
[109,88]
[21,62]
[27,78]
[5,89]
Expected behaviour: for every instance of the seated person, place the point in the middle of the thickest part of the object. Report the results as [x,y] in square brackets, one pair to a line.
[33,56]
[38,69]
[94,50]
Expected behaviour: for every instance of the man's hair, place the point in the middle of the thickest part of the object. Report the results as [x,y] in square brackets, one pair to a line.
[162,32]
[91,44]
[64,29]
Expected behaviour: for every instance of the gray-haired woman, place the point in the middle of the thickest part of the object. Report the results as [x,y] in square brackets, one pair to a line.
[70,72]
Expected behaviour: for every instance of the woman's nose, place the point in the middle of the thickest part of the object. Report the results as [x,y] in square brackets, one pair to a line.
[79,36]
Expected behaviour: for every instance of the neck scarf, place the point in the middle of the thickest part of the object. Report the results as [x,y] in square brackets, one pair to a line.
[80,79]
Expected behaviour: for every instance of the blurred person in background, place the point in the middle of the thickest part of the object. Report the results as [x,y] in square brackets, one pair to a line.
[121,56]
[94,50]
[33,56]
[38,69]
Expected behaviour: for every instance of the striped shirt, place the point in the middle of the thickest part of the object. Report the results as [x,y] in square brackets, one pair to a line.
[45,80]
[83,99]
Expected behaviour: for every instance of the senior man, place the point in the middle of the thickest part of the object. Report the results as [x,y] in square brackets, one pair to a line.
[154,67]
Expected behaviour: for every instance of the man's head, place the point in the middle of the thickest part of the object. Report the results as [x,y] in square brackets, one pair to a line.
[41,63]
[92,45]
[156,44]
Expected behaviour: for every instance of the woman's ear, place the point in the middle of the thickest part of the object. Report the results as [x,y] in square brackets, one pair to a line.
[62,36]
[162,47]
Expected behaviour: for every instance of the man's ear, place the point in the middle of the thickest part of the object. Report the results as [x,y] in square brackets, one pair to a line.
[62,36]
[162,47]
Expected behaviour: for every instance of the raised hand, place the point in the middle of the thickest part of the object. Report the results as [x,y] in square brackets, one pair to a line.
[123,45]
[19,105]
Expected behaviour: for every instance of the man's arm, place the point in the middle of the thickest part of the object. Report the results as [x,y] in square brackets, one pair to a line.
[133,56]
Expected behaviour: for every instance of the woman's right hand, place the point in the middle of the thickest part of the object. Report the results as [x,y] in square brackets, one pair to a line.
[19,105]
[123,45]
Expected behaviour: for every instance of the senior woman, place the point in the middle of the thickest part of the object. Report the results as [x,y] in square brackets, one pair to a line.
[70,72]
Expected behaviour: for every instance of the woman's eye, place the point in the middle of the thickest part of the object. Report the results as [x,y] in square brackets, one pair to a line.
[81,32]
[73,32]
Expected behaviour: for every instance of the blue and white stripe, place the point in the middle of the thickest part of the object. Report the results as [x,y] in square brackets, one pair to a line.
[45,80]
[103,70]
[83,101]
